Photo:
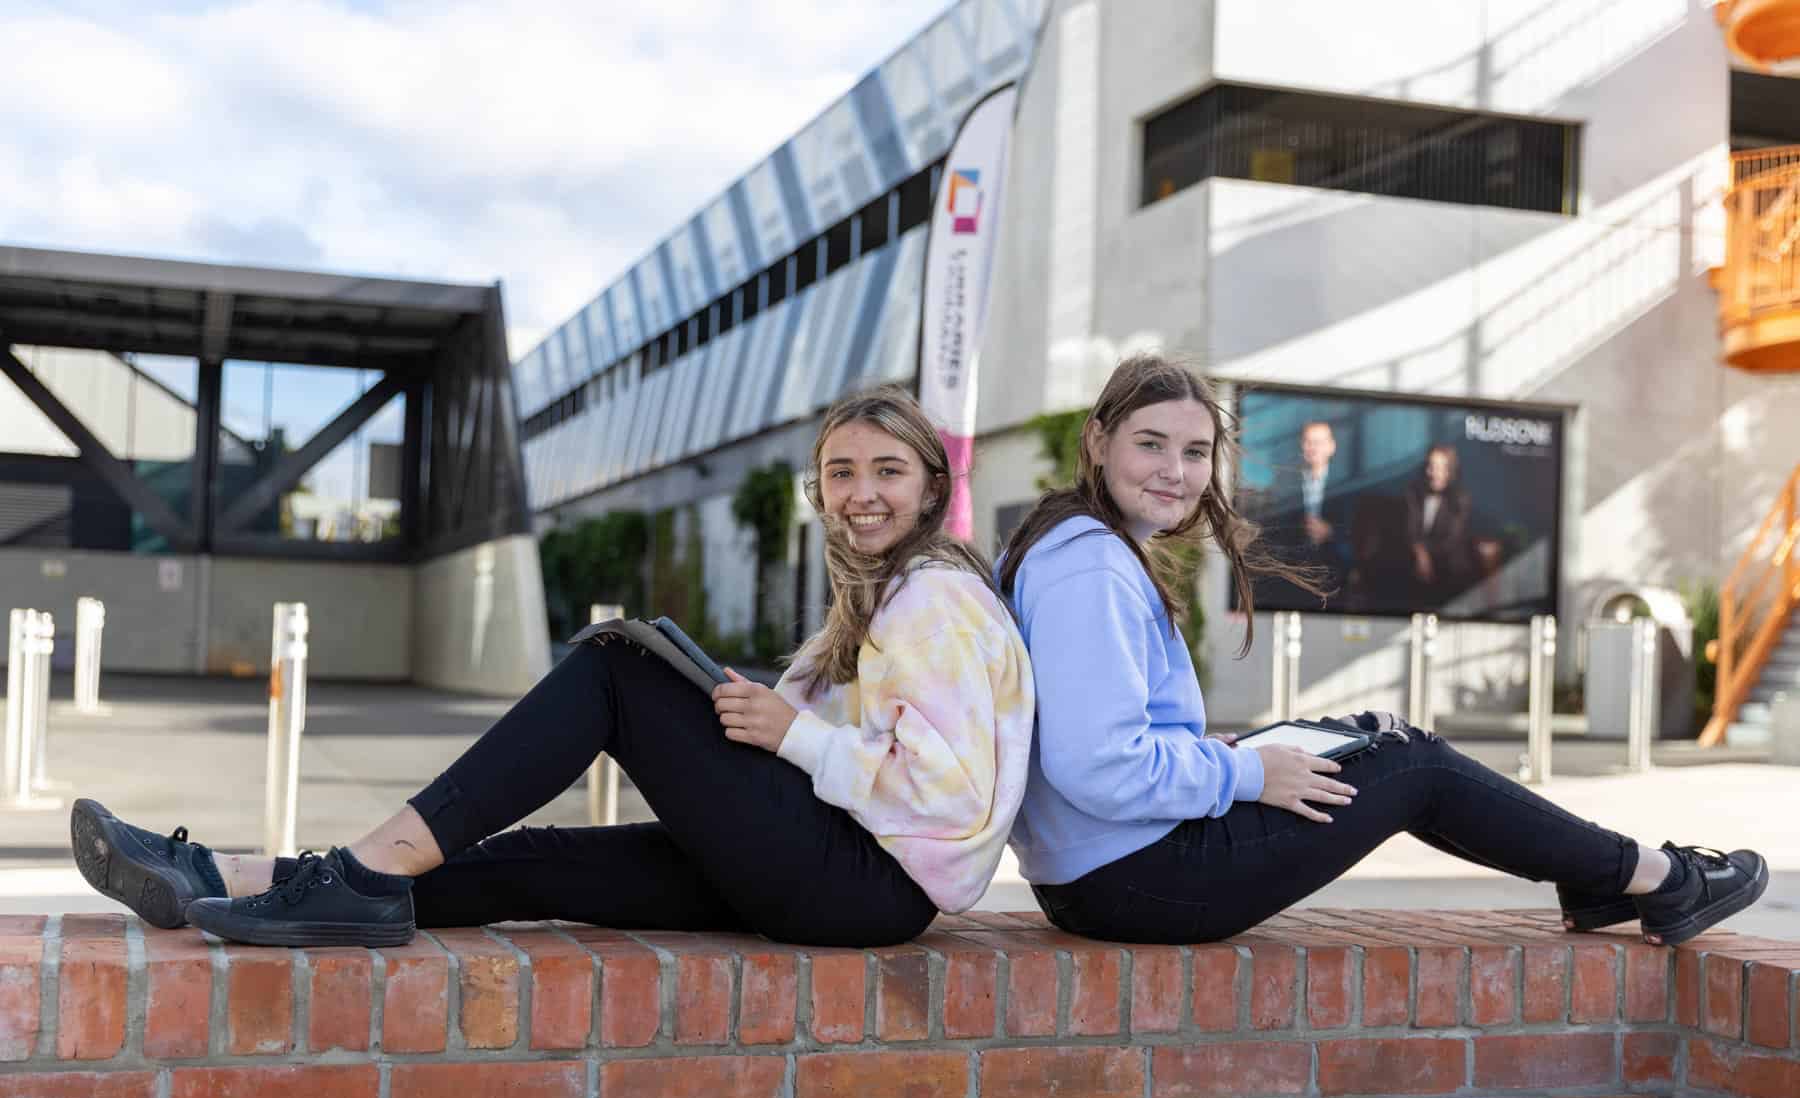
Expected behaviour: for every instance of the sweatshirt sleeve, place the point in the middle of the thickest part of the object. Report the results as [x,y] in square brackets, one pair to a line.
[1089,636]
[921,762]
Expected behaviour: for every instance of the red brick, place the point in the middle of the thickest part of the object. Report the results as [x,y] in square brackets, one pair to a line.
[1650,1057]
[1544,1060]
[768,995]
[1770,1022]
[1736,1070]
[537,1079]
[1273,971]
[1387,980]
[488,981]
[1090,1072]
[1687,987]
[1546,983]
[882,1075]
[630,987]
[341,1000]
[21,960]
[80,1084]
[1094,987]
[1215,988]
[1493,990]
[1231,1069]
[90,1005]
[1722,1008]
[839,992]
[1440,977]
[971,986]
[259,1001]
[1156,985]
[1594,996]
[562,989]
[902,994]
[1646,983]
[1420,1065]
[702,998]
[341,1081]
[695,1077]
[415,1006]
[178,994]
[1031,980]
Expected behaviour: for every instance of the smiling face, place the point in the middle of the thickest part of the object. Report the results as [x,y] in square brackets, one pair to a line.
[1156,465]
[874,484]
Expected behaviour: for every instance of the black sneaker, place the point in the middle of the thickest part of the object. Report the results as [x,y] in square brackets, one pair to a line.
[314,907]
[1591,910]
[1717,886]
[156,876]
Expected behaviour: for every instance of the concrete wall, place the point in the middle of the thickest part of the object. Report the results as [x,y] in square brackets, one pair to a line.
[478,619]
[152,604]
[360,616]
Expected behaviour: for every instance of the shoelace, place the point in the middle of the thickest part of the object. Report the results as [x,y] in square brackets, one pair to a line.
[310,868]
[1713,858]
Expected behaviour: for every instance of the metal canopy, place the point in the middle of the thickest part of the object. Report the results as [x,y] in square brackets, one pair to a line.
[442,344]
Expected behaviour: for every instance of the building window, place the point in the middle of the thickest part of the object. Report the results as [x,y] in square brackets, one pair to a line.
[1364,145]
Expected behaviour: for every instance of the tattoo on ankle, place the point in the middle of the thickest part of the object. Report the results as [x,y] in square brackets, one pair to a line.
[403,842]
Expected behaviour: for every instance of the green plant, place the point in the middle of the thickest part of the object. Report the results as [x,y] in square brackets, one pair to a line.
[1059,433]
[1702,602]
[764,505]
[596,560]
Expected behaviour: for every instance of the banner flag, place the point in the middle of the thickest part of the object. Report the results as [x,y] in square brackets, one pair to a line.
[959,258]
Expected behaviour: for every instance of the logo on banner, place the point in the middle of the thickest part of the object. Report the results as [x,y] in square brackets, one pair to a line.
[964,202]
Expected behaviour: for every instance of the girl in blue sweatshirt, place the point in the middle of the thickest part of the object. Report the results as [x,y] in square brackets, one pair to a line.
[1137,827]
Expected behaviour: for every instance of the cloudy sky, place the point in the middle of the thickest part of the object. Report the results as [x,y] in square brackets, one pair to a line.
[545,144]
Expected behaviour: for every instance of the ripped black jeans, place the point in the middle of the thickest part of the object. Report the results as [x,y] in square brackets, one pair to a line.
[1211,878]
[740,841]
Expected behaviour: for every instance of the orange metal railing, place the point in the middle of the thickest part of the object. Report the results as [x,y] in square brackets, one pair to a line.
[1759,287]
[1755,603]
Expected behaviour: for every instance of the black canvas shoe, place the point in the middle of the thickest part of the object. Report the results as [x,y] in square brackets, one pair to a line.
[156,876]
[1716,887]
[1591,911]
[314,907]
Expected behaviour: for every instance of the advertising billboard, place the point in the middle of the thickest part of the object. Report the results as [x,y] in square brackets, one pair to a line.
[1405,505]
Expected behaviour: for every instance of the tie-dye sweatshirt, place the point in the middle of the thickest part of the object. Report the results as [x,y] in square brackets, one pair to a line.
[927,748]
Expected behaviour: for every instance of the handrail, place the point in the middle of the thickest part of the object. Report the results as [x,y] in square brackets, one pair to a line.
[1762,272]
[1751,624]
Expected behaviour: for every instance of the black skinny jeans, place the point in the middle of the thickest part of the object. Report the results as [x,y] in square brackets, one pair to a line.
[1211,878]
[740,842]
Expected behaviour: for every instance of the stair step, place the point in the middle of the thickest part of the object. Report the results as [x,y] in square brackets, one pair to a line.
[1766,691]
[1740,734]
[1757,713]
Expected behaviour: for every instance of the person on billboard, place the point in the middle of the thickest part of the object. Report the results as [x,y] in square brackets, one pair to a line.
[872,787]
[1136,827]
[1437,528]
[1310,515]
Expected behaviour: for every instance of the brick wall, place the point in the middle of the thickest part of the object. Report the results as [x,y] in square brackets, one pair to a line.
[1317,1002]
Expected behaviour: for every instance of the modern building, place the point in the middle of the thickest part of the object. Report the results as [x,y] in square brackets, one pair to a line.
[1514,204]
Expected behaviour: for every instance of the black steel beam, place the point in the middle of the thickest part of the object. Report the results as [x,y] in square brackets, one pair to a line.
[291,468]
[208,401]
[118,476]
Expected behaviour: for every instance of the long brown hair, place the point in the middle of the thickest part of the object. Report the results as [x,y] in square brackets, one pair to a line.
[862,584]
[1137,382]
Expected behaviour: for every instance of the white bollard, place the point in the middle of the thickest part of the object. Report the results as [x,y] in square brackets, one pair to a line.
[1285,625]
[90,626]
[287,720]
[15,698]
[1646,690]
[1540,700]
[603,773]
[28,703]
[1421,712]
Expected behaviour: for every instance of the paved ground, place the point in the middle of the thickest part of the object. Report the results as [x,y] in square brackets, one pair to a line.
[192,752]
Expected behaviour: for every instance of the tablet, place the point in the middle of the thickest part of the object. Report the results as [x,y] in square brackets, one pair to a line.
[689,649]
[1325,742]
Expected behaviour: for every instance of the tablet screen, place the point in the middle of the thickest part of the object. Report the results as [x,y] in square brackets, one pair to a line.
[1314,740]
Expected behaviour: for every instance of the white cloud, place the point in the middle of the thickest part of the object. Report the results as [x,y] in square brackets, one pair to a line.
[545,145]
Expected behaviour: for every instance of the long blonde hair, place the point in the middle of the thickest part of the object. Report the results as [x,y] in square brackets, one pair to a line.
[862,584]
[1138,381]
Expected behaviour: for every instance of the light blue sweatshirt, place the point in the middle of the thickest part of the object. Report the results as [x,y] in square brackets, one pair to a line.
[1120,756]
